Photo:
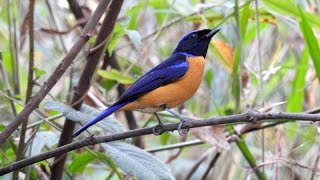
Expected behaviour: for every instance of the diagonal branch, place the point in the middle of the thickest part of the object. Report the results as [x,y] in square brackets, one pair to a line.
[56,75]
[249,117]
[84,82]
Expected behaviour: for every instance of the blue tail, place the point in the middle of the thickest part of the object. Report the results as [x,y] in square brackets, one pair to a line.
[101,116]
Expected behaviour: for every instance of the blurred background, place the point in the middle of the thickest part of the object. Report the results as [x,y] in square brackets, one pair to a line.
[265,56]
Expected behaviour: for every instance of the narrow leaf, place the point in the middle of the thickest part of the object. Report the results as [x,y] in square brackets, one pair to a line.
[295,101]
[81,161]
[224,53]
[116,76]
[311,41]
[287,8]
[244,19]
[246,153]
[38,72]
[117,33]
[235,89]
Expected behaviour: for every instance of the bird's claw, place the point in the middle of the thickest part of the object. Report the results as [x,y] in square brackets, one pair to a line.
[157,130]
[183,131]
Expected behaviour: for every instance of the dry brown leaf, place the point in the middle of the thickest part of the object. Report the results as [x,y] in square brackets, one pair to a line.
[213,135]
[269,107]
[226,51]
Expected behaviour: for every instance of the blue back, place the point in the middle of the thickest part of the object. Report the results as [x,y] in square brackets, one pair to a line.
[168,71]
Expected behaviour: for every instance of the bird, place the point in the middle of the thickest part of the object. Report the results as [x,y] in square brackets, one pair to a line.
[168,84]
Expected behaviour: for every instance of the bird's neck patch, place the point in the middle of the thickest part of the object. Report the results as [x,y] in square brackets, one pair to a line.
[186,54]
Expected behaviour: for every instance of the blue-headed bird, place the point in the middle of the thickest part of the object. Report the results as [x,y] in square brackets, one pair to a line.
[169,84]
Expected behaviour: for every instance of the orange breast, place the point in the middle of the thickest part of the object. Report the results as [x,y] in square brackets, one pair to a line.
[172,94]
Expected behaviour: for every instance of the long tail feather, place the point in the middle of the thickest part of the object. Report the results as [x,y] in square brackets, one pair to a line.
[101,116]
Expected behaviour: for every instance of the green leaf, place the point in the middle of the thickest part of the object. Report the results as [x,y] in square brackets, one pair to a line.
[116,76]
[7,61]
[107,161]
[117,33]
[81,161]
[295,101]
[38,72]
[165,139]
[246,153]
[287,8]
[92,39]
[252,32]
[311,40]
[244,19]
[133,13]
[235,89]
[2,127]
[209,77]
[161,9]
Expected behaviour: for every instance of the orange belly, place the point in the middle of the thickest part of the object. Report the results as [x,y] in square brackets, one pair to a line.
[172,94]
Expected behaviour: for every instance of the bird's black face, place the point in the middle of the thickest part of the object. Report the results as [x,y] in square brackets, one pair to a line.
[196,43]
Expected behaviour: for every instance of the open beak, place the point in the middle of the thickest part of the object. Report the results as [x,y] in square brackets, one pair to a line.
[212,33]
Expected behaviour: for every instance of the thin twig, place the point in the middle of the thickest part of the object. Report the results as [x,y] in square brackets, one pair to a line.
[315,166]
[7,85]
[249,117]
[22,145]
[174,146]
[287,161]
[200,160]
[211,165]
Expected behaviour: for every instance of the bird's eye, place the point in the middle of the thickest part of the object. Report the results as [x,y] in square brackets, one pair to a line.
[194,36]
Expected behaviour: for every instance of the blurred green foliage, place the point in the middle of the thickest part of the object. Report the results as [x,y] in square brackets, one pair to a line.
[234,82]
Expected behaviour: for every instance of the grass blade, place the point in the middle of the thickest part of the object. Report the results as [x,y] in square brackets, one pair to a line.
[296,98]
[311,41]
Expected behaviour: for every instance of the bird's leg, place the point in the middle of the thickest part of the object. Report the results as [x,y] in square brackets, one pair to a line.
[158,118]
[182,119]
[154,129]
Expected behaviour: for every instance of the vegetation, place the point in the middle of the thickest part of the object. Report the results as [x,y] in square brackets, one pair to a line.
[62,63]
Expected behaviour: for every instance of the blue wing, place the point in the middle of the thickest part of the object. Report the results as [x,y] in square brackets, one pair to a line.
[168,71]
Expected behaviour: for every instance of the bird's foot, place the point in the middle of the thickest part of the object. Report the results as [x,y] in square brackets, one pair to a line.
[183,131]
[184,122]
[157,130]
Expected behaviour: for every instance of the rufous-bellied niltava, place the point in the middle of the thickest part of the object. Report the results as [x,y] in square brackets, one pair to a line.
[170,83]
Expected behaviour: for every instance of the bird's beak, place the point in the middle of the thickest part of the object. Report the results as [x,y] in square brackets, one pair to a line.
[212,33]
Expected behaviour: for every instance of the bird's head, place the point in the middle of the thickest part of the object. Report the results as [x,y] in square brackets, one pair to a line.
[196,43]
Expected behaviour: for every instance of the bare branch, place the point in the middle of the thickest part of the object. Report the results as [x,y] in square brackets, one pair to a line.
[249,117]
[84,82]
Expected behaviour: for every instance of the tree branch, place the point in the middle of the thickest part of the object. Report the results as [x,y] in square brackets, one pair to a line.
[84,82]
[56,75]
[249,117]
[21,146]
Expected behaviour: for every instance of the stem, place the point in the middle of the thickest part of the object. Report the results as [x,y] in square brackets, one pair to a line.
[22,145]
[252,116]
[84,83]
